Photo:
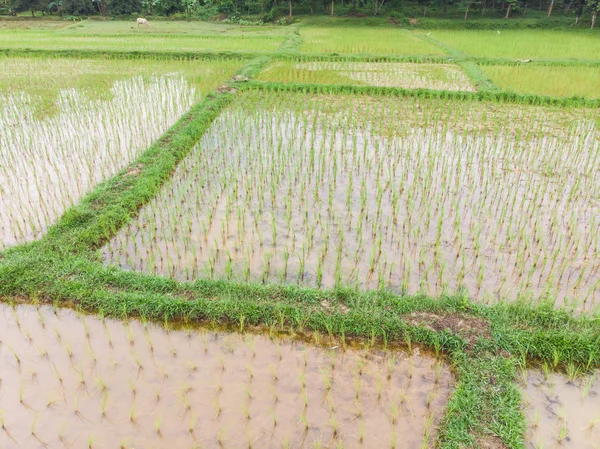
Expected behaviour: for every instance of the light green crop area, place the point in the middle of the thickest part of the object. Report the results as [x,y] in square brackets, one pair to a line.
[49,40]
[522,43]
[364,40]
[95,77]
[554,81]
[172,27]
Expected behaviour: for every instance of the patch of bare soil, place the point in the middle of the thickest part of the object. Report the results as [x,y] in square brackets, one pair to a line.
[225,89]
[468,327]
[490,442]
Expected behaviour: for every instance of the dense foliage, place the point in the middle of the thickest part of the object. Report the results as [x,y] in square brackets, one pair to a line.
[269,10]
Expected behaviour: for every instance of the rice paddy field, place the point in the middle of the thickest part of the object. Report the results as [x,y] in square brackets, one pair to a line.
[547,80]
[138,384]
[138,41]
[383,74]
[372,40]
[298,237]
[524,44]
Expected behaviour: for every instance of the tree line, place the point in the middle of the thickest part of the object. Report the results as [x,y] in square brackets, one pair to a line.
[271,7]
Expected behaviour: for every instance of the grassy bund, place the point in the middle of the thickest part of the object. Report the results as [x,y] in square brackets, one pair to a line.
[488,346]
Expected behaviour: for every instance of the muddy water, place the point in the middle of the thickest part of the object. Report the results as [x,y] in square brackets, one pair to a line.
[383,194]
[76,381]
[48,164]
[562,413]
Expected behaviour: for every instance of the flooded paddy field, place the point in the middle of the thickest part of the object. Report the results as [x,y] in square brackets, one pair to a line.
[562,412]
[59,141]
[71,380]
[406,194]
[383,74]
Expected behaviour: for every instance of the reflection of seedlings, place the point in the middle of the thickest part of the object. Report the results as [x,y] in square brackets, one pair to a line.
[104,403]
[138,361]
[132,415]
[356,387]
[535,422]
[217,407]
[101,384]
[86,328]
[361,431]
[334,424]
[133,388]
[304,398]
[149,341]
[192,423]
[60,379]
[593,423]
[275,395]
[246,412]
[158,425]
[273,373]
[430,398]
[302,379]
[304,420]
[221,436]
[191,366]
[427,431]
[16,356]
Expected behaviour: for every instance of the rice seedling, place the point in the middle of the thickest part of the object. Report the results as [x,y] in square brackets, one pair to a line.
[431,187]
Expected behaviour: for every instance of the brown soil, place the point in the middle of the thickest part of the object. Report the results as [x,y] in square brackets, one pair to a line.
[468,327]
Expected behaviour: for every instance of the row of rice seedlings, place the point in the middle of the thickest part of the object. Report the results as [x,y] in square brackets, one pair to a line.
[410,195]
[46,165]
[562,411]
[384,74]
[70,378]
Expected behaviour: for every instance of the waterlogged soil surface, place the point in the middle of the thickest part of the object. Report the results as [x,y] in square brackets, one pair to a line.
[562,413]
[59,139]
[410,195]
[48,164]
[77,381]
[383,74]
